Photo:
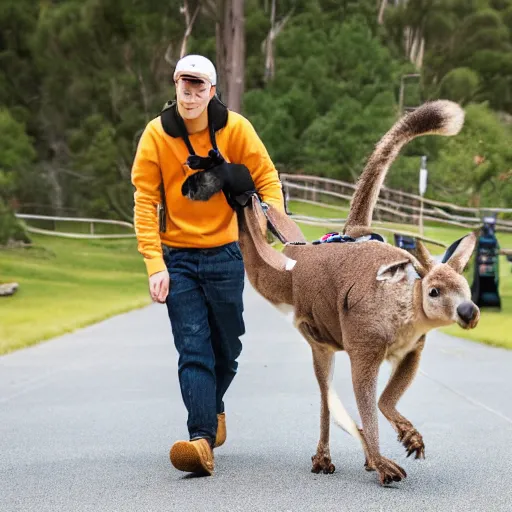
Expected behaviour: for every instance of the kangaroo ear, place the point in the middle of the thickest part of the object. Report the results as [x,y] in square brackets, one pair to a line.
[393,272]
[423,262]
[461,251]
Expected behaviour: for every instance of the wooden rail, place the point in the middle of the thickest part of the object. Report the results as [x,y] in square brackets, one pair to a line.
[91,222]
[392,205]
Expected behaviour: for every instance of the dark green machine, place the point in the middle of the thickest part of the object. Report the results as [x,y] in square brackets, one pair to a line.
[485,286]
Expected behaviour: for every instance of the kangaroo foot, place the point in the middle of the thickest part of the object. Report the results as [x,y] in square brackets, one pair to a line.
[387,470]
[367,466]
[322,464]
[412,440]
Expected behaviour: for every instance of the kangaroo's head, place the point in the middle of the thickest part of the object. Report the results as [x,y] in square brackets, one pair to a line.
[445,293]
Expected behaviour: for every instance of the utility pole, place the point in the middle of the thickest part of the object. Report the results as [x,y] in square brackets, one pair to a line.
[423,188]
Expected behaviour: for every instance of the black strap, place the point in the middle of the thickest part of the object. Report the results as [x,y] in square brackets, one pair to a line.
[184,134]
[173,125]
[212,137]
[270,225]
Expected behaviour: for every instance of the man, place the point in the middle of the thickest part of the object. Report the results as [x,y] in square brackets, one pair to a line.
[193,259]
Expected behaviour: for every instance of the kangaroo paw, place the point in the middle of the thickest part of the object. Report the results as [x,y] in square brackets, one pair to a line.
[368,466]
[322,464]
[412,440]
[387,470]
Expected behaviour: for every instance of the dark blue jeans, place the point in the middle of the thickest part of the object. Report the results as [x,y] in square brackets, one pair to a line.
[206,311]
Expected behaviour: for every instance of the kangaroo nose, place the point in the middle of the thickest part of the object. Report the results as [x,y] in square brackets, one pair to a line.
[467,311]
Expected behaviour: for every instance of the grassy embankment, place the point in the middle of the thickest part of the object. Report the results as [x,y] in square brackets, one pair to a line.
[66,284]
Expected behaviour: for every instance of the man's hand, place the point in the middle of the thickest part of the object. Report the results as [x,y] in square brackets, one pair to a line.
[159,286]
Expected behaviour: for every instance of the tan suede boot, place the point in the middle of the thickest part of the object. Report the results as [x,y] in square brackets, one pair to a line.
[220,438]
[193,456]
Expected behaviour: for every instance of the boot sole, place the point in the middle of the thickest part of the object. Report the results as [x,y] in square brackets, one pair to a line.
[186,458]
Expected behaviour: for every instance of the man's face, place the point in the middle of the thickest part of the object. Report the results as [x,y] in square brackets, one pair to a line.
[193,97]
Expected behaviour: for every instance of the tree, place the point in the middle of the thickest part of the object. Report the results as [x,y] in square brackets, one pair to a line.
[460,85]
[268,43]
[319,79]
[16,151]
[229,23]
[230,49]
[482,154]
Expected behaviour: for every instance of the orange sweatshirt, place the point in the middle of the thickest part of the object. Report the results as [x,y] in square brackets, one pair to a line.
[193,224]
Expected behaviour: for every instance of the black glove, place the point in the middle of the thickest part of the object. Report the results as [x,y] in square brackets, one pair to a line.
[204,163]
[234,180]
[237,181]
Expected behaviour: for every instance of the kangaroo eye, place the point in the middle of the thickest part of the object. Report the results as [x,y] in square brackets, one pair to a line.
[434,292]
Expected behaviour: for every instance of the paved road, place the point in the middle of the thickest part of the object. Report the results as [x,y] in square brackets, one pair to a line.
[86,422]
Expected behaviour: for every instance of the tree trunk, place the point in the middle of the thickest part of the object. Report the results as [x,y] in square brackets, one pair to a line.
[237,81]
[414,45]
[52,176]
[230,35]
[171,56]
[414,40]
[189,23]
[222,57]
[383,5]
[269,53]
[269,42]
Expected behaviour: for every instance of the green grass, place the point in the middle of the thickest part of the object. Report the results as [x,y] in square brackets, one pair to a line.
[495,327]
[66,284]
[74,226]
[314,210]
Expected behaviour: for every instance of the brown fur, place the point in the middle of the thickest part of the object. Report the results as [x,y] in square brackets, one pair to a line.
[364,298]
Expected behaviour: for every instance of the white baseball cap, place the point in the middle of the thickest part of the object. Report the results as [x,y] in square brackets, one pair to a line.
[196,66]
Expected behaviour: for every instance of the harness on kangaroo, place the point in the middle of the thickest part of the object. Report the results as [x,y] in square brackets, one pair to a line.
[336,237]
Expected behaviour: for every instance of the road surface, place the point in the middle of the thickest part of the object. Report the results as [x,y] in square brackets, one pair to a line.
[87,420]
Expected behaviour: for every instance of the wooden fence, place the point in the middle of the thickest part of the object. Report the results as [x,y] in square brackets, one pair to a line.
[83,227]
[392,205]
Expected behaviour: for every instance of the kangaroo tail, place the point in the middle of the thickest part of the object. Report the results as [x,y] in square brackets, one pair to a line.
[440,117]
[339,414]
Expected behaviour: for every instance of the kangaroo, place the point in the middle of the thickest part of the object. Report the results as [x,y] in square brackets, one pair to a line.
[373,300]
